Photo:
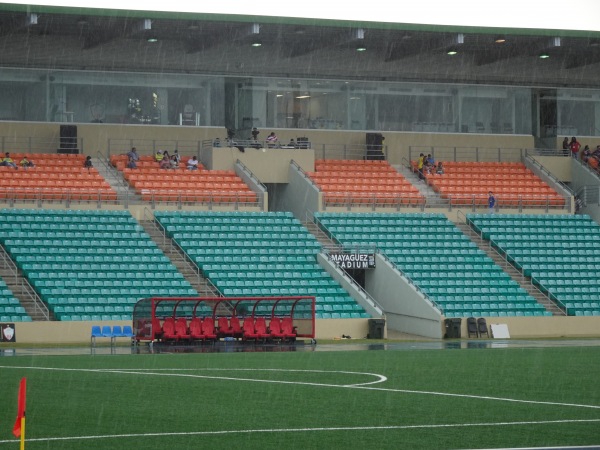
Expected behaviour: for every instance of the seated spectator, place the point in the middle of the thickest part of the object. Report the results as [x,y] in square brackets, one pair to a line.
[131,163]
[440,169]
[8,161]
[174,162]
[133,155]
[88,163]
[586,153]
[292,143]
[165,163]
[430,160]
[158,157]
[166,155]
[272,140]
[25,162]
[192,163]
[217,142]
[176,156]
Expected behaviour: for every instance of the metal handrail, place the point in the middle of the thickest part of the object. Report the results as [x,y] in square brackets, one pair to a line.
[26,287]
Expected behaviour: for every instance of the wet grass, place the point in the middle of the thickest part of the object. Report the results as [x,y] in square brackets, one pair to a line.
[245,400]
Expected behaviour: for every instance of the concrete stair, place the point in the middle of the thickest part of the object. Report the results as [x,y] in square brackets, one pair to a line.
[524,282]
[125,194]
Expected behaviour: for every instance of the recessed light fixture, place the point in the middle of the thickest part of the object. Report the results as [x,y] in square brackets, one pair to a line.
[500,40]
[152,39]
[544,56]
[361,48]
[303,96]
[256,44]
[279,95]
[452,51]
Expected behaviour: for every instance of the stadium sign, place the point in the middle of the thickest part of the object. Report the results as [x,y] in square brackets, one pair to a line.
[354,260]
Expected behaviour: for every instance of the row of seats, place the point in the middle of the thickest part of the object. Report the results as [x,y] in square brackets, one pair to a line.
[521,187]
[296,246]
[331,176]
[155,184]
[253,328]
[93,259]
[417,253]
[568,238]
[42,182]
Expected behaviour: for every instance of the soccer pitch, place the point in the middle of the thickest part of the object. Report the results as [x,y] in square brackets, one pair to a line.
[421,399]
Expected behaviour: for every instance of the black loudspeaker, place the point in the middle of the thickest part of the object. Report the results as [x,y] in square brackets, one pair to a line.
[375,146]
[68,139]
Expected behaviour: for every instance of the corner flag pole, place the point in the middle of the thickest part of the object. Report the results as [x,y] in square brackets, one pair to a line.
[19,428]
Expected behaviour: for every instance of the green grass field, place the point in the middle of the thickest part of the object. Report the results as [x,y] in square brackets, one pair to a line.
[429,399]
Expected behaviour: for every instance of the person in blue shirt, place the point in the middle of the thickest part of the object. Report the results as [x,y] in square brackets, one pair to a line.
[491,201]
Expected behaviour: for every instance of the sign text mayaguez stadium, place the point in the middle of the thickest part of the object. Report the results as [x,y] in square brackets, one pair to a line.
[354,260]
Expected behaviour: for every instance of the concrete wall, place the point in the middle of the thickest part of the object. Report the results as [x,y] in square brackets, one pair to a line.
[406,310]
[269,165]
[298,196]
[96,136]
[559,166]
[67,333]
[350,286]
[544,327]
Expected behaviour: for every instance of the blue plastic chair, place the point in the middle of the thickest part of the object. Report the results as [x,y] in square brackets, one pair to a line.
[96,332]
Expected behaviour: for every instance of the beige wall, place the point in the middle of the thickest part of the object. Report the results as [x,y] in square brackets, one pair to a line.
[544,327]
[559,166]
[95,137]
[269,165]
[65,333]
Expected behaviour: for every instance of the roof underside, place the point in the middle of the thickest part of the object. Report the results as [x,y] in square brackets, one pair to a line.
[118,41]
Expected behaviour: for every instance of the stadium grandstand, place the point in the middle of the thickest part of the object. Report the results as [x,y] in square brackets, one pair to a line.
[227,155]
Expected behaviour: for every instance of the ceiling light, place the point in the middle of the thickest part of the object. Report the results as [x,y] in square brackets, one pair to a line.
[256,44]
[500,40]
[31,19]
[303,96]
[361,48]
[152,39]
[544,55]
[279,95]
[452,51]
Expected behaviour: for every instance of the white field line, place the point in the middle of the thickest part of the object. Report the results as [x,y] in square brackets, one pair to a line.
[304,430]
[305,383]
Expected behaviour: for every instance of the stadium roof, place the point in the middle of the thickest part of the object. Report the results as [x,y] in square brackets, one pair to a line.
[57,37]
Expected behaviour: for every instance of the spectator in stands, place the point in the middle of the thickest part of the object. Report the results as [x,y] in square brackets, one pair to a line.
[176,156]
[88,163]
[165,163]
[272,140]
[131,163]
[420,164]
[292,143]
[574,146]
[8,161]
[255,134]
[217,142]
[158,157]
[440,169]
[586,153]
[133,155]
[174,162]
[565,146]
[166,155]
[430,160]
[26,162]
[192,163]
[491,201]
